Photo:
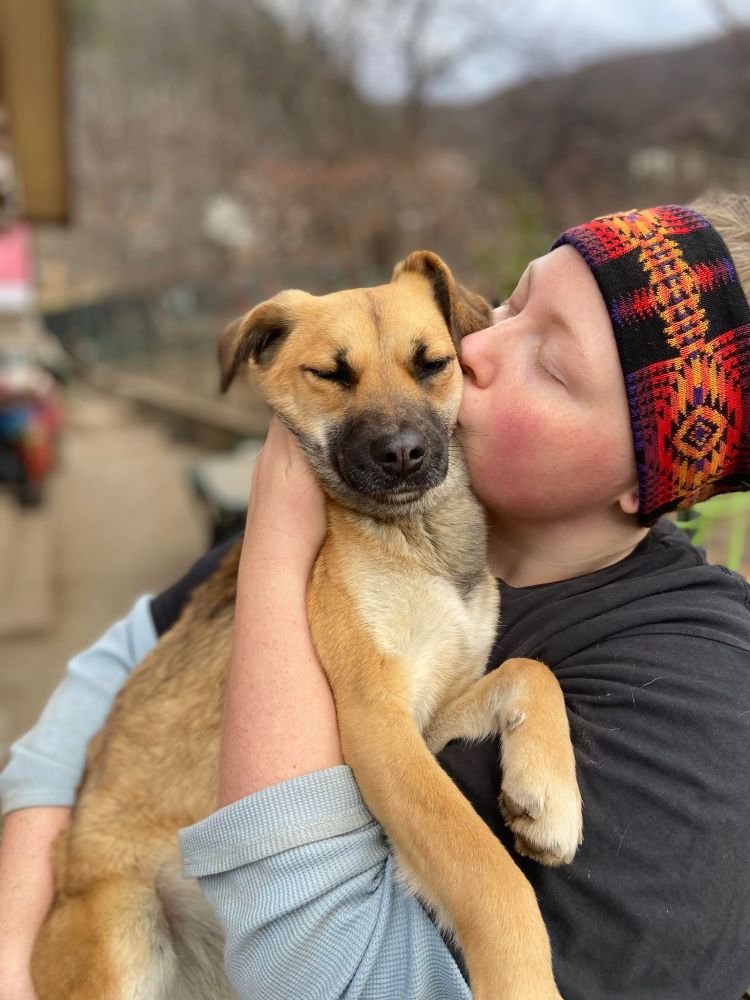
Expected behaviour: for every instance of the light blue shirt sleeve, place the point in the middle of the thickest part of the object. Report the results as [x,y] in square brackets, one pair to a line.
[46,765]
[305,886]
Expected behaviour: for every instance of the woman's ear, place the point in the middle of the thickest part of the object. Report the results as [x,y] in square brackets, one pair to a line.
[629,501]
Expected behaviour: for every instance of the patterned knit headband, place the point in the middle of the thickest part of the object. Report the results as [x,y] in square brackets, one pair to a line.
[682,326]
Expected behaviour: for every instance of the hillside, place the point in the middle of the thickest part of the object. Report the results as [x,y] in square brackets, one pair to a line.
[232,151]
[677,119]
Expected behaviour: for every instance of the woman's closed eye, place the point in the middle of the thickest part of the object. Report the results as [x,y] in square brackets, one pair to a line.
[544,367]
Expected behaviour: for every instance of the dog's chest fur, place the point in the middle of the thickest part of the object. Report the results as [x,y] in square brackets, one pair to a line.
[425,596]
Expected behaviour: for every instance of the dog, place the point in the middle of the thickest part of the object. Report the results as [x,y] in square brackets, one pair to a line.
[369,382]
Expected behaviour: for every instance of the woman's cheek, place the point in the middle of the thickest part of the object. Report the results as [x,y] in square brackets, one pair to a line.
[506,463]
[590,461]
[517,432]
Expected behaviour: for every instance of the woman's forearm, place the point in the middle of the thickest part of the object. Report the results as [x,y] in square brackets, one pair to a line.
[280,719]
[26,877]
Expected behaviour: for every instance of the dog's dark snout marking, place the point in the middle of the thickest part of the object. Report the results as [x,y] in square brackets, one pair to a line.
[387,455]
[399,454]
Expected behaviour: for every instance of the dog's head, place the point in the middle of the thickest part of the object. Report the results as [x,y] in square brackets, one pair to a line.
[368,379]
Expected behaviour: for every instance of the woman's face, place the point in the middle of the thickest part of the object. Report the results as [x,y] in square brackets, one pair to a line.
[544,416]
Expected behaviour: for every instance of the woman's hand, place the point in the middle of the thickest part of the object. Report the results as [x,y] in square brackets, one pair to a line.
[286,516]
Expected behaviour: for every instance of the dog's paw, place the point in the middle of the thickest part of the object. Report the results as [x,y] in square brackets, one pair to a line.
[539,797]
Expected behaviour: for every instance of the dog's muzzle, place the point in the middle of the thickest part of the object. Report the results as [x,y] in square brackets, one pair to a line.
[398,463]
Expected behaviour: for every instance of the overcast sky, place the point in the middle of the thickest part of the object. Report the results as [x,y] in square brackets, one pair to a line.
[604,28]
[553,35]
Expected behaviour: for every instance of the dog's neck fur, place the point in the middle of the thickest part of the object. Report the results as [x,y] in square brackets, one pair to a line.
[447,538]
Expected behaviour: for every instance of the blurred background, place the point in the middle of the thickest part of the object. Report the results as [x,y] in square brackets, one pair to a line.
[165,164]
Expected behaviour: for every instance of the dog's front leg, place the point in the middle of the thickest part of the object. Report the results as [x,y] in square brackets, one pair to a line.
[522,702]
[442,846]
[445,849]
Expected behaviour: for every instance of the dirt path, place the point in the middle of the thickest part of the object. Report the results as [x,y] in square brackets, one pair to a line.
[119,522]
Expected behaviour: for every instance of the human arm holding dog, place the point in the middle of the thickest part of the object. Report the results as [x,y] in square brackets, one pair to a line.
[280,720]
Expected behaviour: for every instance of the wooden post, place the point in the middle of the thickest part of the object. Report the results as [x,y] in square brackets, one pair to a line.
[32,89]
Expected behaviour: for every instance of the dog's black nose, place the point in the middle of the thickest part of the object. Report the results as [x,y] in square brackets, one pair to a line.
[399,454]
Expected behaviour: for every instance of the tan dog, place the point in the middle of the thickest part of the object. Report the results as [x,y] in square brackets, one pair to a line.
[403,614]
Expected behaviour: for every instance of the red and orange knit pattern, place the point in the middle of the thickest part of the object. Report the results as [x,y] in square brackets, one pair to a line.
[682,325]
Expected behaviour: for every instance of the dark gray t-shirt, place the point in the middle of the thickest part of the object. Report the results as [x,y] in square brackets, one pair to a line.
[653,656]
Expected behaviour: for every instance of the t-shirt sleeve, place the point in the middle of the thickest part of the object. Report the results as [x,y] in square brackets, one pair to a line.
[303,882]
[46,765]
[167,606]
[656,905]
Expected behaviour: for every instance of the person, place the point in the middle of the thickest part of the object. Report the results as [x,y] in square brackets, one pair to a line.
[613,388]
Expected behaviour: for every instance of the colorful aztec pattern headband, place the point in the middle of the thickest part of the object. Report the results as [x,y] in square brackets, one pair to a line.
[682,326]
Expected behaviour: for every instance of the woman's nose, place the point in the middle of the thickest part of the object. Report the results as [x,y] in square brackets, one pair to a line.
[476,362]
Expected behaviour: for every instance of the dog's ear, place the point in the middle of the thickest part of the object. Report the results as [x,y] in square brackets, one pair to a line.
[253,338]
[463,311]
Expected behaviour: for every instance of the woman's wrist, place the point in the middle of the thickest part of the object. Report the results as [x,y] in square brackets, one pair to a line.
[266,550]
[271,576]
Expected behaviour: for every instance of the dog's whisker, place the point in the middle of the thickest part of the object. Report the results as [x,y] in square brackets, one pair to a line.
[475,452]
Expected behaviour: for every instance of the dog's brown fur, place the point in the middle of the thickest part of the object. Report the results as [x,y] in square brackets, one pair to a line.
[402,611]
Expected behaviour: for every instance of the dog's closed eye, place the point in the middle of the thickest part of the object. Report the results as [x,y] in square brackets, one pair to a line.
[428,368]
[343,374]
[424,367]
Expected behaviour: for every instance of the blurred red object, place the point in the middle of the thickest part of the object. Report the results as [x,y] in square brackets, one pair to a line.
[31,417]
